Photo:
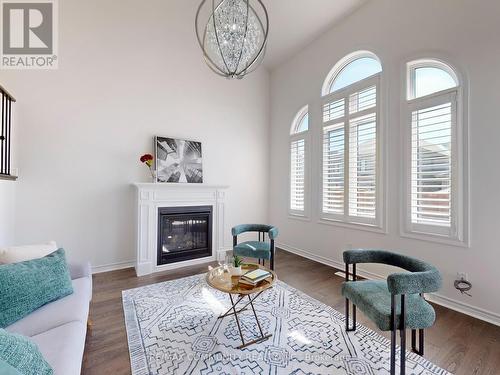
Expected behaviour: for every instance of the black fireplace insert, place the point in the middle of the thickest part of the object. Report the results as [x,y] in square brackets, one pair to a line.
[184,233]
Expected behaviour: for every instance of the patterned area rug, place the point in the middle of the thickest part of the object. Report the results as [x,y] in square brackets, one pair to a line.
[173,328]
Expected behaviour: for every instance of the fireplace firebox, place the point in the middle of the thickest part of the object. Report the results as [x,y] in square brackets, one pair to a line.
[184,233]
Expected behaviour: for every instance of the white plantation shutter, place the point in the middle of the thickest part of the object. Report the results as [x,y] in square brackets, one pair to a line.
[333,110]
[363,166]
[333,169]
[350,153]
[297,175]
[432,176]
[365,99]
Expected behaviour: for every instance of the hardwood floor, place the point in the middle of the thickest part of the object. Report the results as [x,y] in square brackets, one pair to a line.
[457,342]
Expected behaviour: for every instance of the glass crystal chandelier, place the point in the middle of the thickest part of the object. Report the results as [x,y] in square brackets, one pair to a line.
[233,35]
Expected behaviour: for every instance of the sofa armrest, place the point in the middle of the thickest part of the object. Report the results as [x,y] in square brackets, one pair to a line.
[79,270]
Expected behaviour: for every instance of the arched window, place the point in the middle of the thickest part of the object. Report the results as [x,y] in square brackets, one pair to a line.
[351,183]
[435,151]
[427,77]
[351,69]
[301,122]
[298,148]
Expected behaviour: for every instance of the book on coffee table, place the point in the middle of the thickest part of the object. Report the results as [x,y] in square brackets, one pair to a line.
[254,277]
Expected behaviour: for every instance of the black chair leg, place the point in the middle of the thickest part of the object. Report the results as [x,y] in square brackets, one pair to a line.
[347,302]
[347,328]
[272,255]
[393,335]
[420,349]
[402,331]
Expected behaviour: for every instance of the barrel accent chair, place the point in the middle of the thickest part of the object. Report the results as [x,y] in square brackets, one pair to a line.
[378,299]
[260,249]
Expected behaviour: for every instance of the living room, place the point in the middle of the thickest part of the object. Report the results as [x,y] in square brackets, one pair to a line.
[198,187]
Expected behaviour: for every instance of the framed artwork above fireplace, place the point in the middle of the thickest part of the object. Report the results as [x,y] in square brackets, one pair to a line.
[178,160]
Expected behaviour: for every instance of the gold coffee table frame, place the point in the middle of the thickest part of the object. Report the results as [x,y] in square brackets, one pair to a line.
[223,281]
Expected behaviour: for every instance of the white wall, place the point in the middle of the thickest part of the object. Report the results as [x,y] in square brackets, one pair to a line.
[128,70]
[396,31]
[7,212]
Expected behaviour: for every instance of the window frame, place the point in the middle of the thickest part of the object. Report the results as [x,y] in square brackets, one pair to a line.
[458,232]
[378,223]
[294,136]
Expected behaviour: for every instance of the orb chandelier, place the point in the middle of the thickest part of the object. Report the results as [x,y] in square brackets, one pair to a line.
[233,35]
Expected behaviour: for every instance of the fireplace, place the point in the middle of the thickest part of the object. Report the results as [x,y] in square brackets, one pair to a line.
[184,233]
[152,199]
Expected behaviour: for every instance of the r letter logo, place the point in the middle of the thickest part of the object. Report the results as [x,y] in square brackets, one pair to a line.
[29,34]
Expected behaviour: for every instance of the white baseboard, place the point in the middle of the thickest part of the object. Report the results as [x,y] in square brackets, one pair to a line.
[113,267]
[465,308]
[438,299]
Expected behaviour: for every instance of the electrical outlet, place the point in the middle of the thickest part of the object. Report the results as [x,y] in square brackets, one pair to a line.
[462,276]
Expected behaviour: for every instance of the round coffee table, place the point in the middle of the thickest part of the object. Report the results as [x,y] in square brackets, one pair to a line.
[218,279]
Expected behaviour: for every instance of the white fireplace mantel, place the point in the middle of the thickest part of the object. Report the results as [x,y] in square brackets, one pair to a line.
[151,196]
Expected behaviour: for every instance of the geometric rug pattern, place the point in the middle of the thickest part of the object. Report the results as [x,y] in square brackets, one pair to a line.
[172,328]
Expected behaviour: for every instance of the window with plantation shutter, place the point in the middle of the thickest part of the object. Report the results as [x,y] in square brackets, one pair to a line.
[297,175]
[351,180]
[434,156]
[299,134]
[431,165]
[333,169]
[363,166]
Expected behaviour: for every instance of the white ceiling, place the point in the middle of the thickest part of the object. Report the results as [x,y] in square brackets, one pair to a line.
[295,23]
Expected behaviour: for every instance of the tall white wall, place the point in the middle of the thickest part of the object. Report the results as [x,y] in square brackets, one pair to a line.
[128,70]
[398,31]
[7,212]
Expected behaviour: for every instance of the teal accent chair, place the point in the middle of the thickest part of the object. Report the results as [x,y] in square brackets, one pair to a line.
[260,249]
[378,298]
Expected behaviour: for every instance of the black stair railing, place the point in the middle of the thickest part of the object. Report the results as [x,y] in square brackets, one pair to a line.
[6,134]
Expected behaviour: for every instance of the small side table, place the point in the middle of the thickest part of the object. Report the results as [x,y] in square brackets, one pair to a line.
[223,281]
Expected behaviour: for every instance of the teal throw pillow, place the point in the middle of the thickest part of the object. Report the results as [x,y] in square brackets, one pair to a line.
[28,285]
[20,356]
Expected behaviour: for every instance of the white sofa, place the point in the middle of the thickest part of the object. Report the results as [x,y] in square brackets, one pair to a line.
[60,328]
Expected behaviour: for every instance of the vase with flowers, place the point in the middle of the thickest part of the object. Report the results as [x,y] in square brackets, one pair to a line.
[148,160]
